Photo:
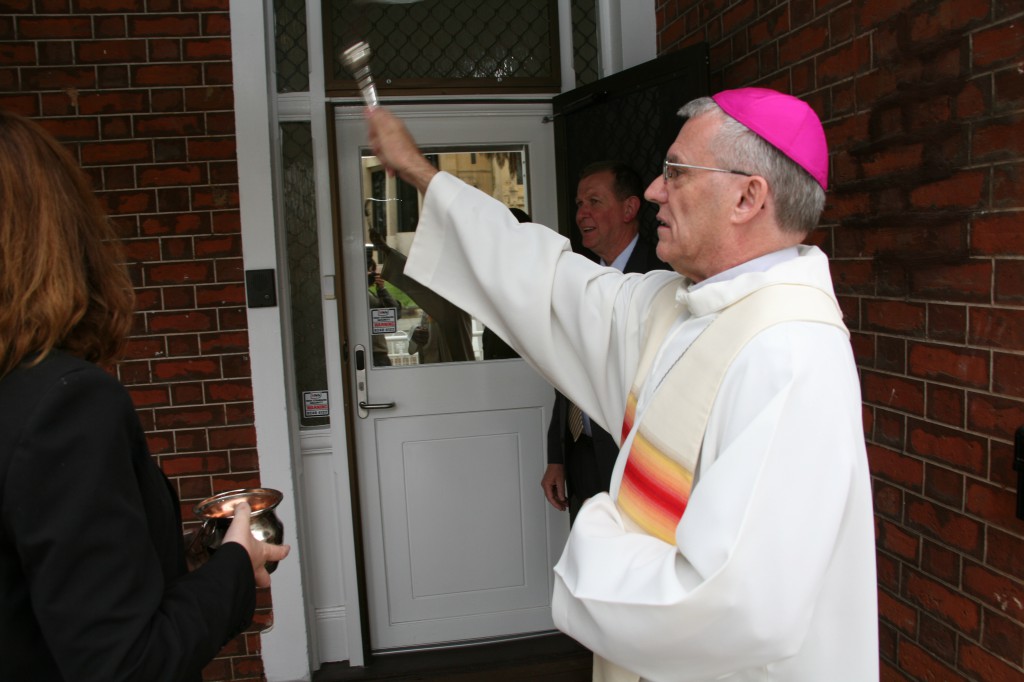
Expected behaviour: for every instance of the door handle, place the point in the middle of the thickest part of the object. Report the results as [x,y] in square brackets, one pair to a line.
[361,389]
[374,406]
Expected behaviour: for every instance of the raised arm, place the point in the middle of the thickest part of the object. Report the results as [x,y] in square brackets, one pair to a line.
[397,150]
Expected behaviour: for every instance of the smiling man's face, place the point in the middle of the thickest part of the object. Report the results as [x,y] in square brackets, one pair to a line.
[607,223]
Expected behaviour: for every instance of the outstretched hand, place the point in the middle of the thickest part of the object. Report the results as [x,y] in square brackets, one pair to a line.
[259,552]
[395,147]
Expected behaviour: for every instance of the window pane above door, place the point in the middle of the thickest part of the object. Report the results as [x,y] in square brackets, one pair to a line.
[446,45]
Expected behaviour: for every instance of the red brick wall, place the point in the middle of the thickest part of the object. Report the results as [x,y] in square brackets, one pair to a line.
[923,104]
[143,98]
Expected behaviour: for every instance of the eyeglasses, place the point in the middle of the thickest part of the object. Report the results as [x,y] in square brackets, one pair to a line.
[669,174]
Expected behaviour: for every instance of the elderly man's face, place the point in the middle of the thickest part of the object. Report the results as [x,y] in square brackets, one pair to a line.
[694,234]
[604,220]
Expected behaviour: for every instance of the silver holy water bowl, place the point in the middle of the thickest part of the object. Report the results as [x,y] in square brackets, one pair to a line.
[218,511]
[356,59]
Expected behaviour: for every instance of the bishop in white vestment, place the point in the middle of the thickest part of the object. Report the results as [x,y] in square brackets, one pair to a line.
[737,540]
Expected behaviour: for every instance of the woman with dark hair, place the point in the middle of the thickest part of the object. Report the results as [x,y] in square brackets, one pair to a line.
[93,577]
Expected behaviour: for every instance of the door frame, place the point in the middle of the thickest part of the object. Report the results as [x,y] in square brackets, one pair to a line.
[290,648]
[542,210]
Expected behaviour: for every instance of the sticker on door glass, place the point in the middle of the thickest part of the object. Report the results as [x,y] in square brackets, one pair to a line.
[383,320]
[315,404]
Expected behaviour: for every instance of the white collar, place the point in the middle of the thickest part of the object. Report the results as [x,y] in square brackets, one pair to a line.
[620,261]
[795,265]
[759,264]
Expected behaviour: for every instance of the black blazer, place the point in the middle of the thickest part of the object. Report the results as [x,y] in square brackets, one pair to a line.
[93,580]
[590,473]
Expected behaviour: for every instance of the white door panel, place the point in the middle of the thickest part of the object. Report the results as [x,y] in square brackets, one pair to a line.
[458,539]
[462,537]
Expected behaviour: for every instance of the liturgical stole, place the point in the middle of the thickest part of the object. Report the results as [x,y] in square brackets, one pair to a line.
[662,462]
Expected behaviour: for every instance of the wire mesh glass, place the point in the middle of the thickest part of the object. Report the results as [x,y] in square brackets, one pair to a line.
[478,46]
[299,194]
[631,118]
[290,49]
[625,127]
[585,42]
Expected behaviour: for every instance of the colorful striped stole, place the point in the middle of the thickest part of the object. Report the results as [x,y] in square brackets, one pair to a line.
[662,462]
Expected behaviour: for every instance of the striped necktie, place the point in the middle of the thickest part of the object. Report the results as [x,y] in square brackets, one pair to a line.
[575,418]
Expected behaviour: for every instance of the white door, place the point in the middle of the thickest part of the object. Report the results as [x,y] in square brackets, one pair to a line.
[458,541]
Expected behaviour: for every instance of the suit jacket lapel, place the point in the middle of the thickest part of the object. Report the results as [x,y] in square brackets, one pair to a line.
[644,257]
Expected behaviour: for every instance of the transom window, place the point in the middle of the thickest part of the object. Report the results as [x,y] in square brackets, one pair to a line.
[445,46]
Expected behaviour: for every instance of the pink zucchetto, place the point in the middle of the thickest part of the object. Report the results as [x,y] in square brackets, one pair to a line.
[786,122]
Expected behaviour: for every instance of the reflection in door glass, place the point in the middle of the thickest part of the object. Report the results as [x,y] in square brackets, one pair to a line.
[410,324]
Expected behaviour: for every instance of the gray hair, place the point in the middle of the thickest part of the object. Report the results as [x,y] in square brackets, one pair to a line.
[799,199]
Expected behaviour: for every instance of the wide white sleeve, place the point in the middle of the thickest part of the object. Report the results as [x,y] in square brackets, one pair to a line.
[739,588]
[576,322]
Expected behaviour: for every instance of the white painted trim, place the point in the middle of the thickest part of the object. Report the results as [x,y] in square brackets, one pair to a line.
[627,32]
[293,106]
[565,59]
[285,645]
[638,30]
[351,625]
[332,625]
[609,36]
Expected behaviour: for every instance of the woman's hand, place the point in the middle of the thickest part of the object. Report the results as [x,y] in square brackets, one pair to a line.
[259,552]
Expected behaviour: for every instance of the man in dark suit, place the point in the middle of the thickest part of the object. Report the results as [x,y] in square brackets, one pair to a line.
[581,454]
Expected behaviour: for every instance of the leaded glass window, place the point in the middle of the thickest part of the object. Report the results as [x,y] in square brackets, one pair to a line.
[586,58]
[299,195]
[290,49]
[446,45]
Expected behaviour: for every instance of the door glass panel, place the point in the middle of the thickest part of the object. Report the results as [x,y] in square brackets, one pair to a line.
[410,324]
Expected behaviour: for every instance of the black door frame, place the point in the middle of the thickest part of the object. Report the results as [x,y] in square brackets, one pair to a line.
[629,116]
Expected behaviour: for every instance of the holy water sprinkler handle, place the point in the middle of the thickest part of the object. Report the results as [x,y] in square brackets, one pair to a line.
[357,60]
